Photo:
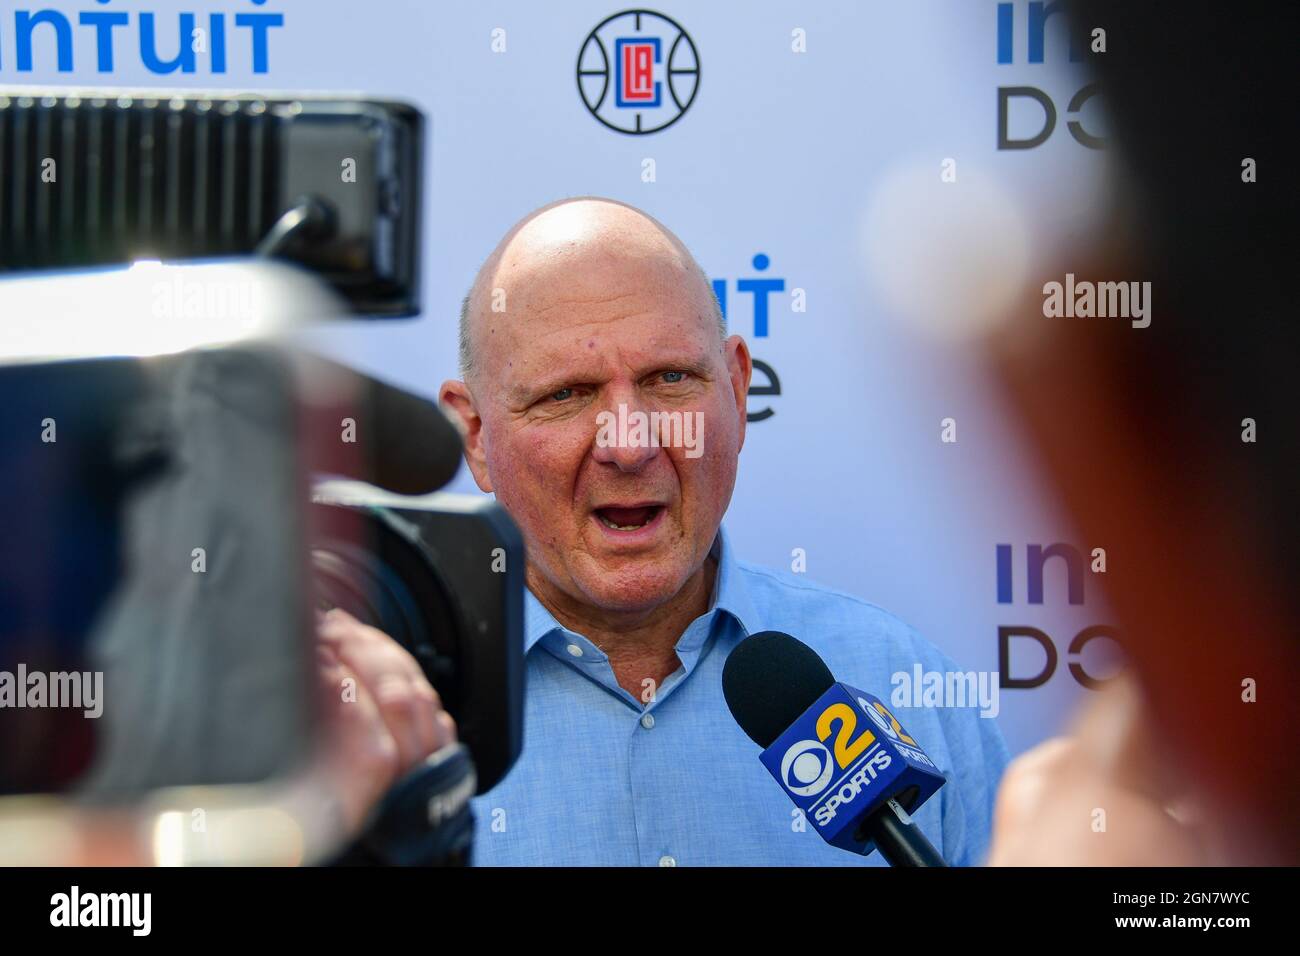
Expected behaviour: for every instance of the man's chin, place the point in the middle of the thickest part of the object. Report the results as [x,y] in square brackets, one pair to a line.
[630,587]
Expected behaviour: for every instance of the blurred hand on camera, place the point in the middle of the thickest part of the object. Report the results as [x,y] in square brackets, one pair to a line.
[384,716]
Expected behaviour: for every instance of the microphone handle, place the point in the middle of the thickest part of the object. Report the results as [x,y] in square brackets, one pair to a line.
[899,840]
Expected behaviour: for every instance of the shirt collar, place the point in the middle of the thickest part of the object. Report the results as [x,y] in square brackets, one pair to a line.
[729,595]
[729,591]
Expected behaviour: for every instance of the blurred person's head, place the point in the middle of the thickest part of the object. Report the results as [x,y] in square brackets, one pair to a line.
[590,312]
[1143,431]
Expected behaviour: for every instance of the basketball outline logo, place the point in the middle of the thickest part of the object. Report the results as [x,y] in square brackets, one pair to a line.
[611,72]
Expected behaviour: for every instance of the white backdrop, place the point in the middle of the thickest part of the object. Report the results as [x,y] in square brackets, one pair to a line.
[828,161]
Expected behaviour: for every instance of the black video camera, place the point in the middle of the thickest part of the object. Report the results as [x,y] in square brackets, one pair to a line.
[184,483]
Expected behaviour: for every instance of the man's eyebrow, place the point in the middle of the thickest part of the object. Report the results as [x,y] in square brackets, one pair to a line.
[522,391]
[698,365]
[553,382]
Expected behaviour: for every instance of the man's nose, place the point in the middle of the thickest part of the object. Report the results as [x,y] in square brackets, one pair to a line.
[624,437]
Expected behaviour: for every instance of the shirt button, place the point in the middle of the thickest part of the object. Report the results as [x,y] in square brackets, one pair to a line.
[667,861]
[574,650]
[648,721]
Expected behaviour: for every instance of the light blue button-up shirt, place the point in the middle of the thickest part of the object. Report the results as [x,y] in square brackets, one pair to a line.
[607,780]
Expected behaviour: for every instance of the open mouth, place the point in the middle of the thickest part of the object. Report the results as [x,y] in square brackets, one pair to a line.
[628,518]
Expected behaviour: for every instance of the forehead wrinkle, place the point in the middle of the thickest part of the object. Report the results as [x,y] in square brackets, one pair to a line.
[558,362]
[531,291]
[593,276]
[563,364]
[597,300]
[535,352]
[542,330]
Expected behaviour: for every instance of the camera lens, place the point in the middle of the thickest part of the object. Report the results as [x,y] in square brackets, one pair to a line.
[370,564]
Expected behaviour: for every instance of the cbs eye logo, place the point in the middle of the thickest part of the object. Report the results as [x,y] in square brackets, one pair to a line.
[808,765]
[806,768]
[883,719]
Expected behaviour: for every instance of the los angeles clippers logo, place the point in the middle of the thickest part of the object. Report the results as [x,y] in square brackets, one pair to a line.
[638,72]
[634,72]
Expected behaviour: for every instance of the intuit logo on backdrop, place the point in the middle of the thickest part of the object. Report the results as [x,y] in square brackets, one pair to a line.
[1033,21]
[760,295]
[163,42]
[1075,565]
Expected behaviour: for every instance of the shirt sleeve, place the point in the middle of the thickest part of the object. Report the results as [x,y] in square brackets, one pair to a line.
[979,756]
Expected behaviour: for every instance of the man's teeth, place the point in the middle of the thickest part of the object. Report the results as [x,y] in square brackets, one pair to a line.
[619,527]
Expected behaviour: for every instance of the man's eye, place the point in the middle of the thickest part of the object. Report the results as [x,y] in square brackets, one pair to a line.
[562,395]
[674,377]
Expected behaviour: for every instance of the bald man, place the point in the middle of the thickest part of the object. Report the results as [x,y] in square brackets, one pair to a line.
[588,314]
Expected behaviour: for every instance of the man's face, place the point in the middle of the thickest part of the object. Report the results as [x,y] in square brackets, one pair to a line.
[613,527]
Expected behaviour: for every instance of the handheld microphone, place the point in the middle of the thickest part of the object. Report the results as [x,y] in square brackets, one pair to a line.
[836,751]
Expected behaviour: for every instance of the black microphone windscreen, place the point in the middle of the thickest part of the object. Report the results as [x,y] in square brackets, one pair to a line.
[770,678]
[417,450]
[403,442]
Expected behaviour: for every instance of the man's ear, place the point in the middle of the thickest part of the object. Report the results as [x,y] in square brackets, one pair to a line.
[740,368]
[458,402]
